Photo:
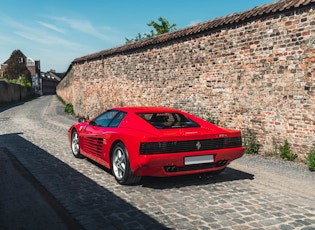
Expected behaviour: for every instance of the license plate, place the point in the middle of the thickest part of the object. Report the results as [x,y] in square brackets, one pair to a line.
[199,160]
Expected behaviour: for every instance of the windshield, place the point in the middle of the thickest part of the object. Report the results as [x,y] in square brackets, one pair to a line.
[168,120]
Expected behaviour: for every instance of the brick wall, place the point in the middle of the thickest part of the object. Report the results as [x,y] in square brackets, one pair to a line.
[257,74]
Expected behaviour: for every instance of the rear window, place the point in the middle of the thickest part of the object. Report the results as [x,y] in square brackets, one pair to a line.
[168,120]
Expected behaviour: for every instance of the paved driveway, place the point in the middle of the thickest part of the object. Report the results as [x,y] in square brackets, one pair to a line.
[253,193]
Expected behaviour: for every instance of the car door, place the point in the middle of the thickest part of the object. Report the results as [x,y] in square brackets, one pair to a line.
[91,140]
[95,133]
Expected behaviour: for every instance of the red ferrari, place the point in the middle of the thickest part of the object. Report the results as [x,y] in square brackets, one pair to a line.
[154,141]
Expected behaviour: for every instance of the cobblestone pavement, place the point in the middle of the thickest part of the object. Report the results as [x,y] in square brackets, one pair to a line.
[253,193]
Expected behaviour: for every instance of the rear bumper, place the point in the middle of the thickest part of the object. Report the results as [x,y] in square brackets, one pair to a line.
[173,164]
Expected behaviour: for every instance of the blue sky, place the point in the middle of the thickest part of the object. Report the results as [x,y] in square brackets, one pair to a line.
[56,32]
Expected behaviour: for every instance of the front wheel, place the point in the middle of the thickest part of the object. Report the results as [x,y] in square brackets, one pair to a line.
[121,166]
[75,146]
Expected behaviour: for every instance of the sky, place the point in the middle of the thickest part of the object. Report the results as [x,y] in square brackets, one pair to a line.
[56,32]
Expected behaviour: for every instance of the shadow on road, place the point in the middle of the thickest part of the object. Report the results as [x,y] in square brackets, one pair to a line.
[228,174]
[91,205]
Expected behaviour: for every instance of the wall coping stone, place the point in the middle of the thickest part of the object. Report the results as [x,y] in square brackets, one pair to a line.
[214,24]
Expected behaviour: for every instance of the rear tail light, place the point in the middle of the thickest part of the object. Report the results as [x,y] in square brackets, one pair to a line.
[153,147]
[190,146]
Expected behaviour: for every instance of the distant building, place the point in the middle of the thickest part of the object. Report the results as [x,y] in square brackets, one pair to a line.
[43,83]
[2,69]
[48,82]
[34,68]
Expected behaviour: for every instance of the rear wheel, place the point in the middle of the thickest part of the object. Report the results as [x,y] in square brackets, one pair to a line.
[75,146]
[121,166]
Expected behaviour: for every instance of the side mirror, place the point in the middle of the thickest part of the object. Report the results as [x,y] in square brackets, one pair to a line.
[81,120]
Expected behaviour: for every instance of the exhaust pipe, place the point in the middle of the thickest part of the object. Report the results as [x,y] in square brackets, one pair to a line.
[170,168]
[221,163]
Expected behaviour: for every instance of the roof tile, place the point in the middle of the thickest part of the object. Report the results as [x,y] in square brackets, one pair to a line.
[266,9]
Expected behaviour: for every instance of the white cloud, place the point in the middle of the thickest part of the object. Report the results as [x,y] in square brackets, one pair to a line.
[52,27]
[40,35]
[55,41]
[83,26]
[46,39]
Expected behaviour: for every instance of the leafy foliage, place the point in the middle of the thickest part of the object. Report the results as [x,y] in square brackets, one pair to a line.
[311,158]
[163,27]
[16,67]
[286,153]
[69,109]
[250,142]
[159,28]
[139,37]
[21,81]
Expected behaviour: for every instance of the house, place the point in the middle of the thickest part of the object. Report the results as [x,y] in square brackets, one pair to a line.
[43,82]
[48,82]
[2,69]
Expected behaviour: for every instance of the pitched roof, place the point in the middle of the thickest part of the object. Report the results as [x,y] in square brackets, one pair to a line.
[258,11]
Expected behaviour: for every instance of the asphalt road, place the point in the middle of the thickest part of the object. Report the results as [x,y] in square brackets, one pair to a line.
[42,186]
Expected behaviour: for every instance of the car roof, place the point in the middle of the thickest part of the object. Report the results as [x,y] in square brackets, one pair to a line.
[146,109]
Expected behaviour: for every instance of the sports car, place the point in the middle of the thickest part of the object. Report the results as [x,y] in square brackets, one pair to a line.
[154,141]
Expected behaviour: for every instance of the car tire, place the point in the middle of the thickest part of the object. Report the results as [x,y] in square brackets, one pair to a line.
[75,145]
[121,166]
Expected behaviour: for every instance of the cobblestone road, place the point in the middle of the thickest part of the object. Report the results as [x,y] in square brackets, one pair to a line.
[253,193]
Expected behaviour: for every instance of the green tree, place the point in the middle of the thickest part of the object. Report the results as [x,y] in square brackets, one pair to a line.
[286,152]
[161,27]
[17,67]
[137,38]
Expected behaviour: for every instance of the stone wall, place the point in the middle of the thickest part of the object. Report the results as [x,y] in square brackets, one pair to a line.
[13,93]
[258,73]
